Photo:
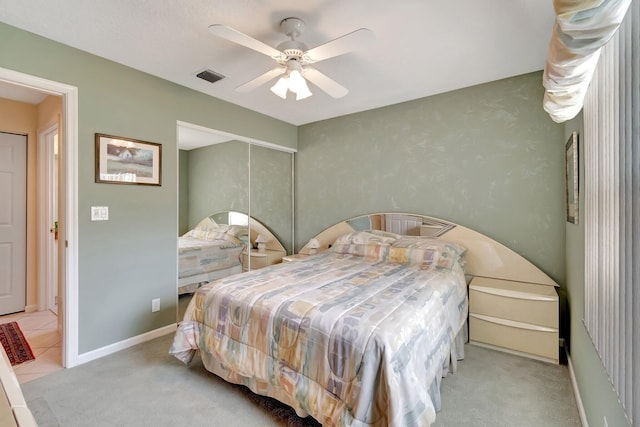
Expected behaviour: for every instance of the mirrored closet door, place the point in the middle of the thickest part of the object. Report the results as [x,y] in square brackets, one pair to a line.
[247,182]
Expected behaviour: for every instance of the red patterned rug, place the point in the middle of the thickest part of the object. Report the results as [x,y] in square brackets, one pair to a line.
[15,344]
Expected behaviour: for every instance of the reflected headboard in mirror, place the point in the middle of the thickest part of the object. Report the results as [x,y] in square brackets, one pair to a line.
[485,257]
[256,228]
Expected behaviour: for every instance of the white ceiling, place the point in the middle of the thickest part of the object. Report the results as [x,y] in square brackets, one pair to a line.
[421,48]
[20,93]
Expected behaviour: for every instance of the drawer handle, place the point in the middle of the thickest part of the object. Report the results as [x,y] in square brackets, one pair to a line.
[512,294]
[512,323]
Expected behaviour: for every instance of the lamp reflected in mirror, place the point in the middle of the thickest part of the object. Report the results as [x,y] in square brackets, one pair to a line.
[313,246]
[261,241]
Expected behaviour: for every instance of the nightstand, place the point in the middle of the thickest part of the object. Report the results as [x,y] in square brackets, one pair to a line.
[516,317]
[295,257]
[261,259]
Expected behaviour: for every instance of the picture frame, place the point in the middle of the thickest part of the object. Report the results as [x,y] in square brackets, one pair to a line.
[121,160]
[572,178]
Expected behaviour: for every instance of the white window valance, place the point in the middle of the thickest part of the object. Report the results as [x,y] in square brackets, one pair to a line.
[582,27]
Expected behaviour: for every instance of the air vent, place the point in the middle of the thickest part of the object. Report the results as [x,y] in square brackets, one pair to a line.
[210,76]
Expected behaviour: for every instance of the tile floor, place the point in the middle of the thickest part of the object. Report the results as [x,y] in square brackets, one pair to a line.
[41,330]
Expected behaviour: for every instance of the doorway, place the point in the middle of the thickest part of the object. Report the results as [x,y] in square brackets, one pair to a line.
[68,206]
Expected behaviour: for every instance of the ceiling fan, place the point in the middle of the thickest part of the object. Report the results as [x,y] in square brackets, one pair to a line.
[293,58]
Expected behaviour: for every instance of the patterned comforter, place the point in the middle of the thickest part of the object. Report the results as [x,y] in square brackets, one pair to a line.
[350,340]
[197,257]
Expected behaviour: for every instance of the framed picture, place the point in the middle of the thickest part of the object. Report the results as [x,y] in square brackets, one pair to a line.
[127,161]
[571,177]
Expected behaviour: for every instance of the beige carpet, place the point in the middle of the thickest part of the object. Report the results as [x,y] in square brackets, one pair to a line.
[145,386]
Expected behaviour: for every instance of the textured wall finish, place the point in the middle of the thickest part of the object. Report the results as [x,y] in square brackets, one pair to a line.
[218,180]
[486,157]
[271,194]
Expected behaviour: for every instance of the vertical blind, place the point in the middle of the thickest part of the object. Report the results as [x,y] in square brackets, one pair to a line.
[612,211]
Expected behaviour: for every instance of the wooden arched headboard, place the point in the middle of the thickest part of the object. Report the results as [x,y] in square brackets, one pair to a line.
[484,258]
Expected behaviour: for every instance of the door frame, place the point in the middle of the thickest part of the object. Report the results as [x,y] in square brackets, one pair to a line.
[69,208]
[47,269]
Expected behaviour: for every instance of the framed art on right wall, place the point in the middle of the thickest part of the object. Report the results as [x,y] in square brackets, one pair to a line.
[571,177]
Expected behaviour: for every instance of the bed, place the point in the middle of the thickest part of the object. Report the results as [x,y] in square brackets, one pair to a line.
[360,334]
[214,247]
[208,252]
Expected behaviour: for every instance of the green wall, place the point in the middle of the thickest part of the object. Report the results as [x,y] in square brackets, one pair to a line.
[219,179]
[183,192]
[487,157]
[271,192]
[597,394]
[130,259]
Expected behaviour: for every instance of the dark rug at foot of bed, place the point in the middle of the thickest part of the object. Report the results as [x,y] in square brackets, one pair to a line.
[279,411]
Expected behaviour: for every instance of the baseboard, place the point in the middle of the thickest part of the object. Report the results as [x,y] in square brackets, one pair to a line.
[31,308]
[115,347]
[517,353]
[576,393]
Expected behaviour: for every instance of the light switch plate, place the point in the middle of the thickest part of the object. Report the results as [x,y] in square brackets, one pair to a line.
[99,213]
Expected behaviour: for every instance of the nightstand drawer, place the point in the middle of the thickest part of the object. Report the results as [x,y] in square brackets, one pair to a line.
[261,259]
[522,302]
[521,337]
[258,262]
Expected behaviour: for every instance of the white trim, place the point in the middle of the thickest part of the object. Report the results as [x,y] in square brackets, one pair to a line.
[233,136]
[31,308]
[43,223]
[576,393]
[122,345]
[70,167]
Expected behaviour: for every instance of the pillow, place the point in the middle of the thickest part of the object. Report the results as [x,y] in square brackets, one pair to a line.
[208,229]
[206,224]
[427,252]
[366,237]
[233,239]
[237,230]
[372,251]
[429,243]
[213,235]
[196,234]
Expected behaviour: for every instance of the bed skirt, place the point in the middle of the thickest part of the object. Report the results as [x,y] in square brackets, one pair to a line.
[188,285]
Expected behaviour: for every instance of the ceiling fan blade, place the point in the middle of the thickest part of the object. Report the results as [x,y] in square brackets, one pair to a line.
[236,36]
[347,43]
[261,79]
[325,83]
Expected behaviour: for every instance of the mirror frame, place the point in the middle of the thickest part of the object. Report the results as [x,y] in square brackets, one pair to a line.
[572,178]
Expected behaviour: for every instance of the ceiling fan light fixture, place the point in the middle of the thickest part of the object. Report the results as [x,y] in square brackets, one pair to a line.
[281,87]
[298,85]
[294,82]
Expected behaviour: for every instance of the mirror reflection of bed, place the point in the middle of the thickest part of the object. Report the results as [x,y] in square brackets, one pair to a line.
[364,324]
[220,245]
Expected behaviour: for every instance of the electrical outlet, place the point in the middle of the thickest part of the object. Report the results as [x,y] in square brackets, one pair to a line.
[155,305]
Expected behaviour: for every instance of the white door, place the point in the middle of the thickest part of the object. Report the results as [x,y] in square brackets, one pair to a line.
[13,222]
[51,274]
